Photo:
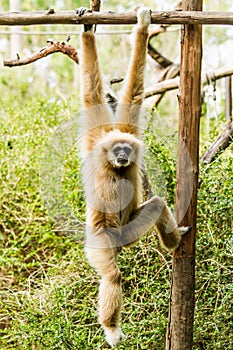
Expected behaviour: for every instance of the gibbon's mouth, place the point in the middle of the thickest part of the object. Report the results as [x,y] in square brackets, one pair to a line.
[121,162]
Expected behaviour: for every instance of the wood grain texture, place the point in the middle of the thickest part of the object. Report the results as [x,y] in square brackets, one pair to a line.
[181,313]
[70,17]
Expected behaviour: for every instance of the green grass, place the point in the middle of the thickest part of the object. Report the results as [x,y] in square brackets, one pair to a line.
[48,291]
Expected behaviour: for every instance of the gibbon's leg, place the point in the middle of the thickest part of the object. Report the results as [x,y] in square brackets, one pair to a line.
[153,213]
[132,96]
[110,295]
[102,258]
[97,112]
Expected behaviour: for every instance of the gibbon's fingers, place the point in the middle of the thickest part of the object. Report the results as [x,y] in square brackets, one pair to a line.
[144,16]
[80,12]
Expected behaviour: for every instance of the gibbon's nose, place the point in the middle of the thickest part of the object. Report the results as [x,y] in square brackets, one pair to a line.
[122,158]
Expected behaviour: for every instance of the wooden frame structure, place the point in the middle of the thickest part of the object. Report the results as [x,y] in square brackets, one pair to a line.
[181,313]
[70,17]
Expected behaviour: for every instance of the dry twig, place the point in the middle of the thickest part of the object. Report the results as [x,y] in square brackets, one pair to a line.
[53,47]
[222,142]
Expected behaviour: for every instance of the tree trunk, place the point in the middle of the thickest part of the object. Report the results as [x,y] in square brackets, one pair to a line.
[181,313]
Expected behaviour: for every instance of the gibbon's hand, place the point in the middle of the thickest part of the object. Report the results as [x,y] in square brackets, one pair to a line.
[80,12]
[144,16]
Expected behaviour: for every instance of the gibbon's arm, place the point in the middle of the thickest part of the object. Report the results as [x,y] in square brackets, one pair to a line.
[92,84]
[97,112]
[132,96]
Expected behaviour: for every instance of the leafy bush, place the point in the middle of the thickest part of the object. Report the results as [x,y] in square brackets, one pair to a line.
[48,291]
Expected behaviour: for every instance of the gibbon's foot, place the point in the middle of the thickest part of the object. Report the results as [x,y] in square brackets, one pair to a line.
[144,16]
[184,229]
[113,335]
[172,241]
[80,12]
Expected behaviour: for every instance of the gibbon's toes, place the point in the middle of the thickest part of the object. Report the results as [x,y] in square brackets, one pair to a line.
[113,336]
[184,229]
[144,16]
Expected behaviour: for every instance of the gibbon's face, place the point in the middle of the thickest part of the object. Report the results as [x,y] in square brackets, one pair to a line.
[121,154]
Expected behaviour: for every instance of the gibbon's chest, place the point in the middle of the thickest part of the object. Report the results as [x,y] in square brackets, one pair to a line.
[112,192]
[118,193]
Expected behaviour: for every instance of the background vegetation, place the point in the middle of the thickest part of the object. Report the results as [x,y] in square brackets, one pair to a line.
[48,291]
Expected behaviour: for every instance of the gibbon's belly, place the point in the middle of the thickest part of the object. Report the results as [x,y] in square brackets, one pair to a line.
[111,202]
[120,200]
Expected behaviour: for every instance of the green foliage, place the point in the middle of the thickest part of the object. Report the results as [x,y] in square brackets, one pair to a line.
[48,291]
[160,166]
[214,254]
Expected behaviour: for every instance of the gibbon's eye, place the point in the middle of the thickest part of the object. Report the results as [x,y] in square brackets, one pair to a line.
[117,150]
[124,150]
[127,150]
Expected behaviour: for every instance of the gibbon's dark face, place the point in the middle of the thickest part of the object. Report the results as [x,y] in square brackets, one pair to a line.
[122,154]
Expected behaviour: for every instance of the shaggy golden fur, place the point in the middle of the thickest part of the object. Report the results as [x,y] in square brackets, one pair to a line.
[112,154]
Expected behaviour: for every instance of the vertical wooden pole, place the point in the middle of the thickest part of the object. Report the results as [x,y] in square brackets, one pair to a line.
[228,99]
[15,36]
[181,312]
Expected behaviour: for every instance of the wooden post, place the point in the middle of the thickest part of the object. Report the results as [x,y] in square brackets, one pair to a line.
[181,312]
[228,100]
[15,35]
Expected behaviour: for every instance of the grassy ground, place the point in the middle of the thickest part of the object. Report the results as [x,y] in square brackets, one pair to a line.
[48,291]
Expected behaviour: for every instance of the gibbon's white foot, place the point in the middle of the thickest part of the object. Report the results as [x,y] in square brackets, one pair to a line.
[144,16]
[113,336]
[184,229]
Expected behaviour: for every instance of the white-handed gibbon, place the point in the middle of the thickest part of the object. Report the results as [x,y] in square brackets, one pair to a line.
[112,153]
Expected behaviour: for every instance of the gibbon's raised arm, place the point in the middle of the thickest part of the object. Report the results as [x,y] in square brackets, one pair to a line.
[132,95]
[97,112]
[92,85]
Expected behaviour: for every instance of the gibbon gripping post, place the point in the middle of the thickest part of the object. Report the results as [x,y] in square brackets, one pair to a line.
[112,171]
[181,315]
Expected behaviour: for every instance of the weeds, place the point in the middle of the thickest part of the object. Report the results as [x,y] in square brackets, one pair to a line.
[48,291]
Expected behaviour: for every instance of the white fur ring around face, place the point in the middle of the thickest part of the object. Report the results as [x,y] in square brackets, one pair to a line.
[144,16]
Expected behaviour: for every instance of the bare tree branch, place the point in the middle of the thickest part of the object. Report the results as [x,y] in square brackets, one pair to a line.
[156,55]
[172,84]
[222,142]
[53,47]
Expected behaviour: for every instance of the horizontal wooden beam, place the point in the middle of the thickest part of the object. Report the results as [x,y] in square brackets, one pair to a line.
[70,17]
